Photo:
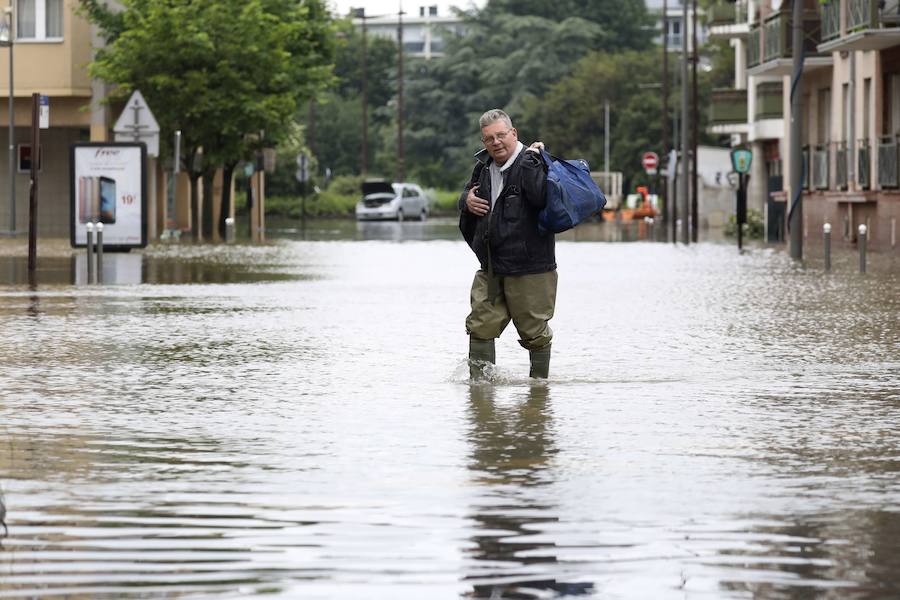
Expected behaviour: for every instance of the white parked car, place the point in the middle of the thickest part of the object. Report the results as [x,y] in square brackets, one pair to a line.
[397,201]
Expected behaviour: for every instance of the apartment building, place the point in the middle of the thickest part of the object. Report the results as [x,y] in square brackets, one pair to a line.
[673,23]
[51,49]
[423,30]
[850,112]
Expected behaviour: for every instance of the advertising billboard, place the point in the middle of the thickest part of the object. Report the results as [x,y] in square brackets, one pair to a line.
[109,186]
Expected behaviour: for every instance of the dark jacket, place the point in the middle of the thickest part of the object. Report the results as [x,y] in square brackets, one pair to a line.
[509,233]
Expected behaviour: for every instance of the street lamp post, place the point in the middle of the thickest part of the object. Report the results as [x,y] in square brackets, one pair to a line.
[6,39]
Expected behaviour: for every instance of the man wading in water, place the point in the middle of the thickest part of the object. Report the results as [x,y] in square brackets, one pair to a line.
[499,220]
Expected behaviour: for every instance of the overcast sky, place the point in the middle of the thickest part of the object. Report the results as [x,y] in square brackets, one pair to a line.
[382,7]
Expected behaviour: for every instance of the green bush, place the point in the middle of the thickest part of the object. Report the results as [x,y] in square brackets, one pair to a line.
[442,201]
[754,228]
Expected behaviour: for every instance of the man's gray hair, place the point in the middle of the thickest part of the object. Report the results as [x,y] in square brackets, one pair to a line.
[495,114]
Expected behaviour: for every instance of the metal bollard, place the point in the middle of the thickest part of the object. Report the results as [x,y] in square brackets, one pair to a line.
[89,227]
[863,230]
[229,230]
[826,234]
[99,252]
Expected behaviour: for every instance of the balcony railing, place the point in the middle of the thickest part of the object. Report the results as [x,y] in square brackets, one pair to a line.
[866,14]
[888,163]
[804,173]
[778,36]
[721,14]
[820,167]
[840,165]
[831,20]
[753,54]
[727,13]
[864,164]
[769,100]
[728,107]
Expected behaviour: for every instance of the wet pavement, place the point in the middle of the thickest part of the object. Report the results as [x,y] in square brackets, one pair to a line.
[294,420]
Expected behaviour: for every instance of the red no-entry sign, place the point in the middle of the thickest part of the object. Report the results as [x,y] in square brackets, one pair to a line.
[650,161]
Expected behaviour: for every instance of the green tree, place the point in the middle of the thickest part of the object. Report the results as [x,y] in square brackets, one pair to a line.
[512,51]
[569,118]
[218,70]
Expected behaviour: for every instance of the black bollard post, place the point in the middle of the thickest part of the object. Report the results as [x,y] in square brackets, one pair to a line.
[826,234]
[89,228]
[863,234]
[99,252]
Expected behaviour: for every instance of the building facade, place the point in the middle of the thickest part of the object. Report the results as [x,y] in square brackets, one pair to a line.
[51,47]
[850,112]
[424,30]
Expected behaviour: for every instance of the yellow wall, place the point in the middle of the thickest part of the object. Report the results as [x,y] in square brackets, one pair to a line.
[51,68]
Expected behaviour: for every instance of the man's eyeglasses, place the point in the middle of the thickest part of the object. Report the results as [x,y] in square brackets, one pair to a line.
[499,137]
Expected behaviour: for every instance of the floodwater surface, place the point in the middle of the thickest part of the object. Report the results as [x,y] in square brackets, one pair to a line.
[294,420]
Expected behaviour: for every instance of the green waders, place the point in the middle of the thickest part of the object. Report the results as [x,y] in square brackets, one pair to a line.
[481,353]
[540,362]
[526,300]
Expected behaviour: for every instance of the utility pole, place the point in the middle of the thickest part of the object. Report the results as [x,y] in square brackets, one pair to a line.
[685,145]
[795,216]
[665,89]
[360,13]
[606,140]
[695,116]
[401,168]
[311,127]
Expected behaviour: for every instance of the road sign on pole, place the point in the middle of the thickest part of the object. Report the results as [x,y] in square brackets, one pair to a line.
[302,174]
[44,112]
[741,160]
[650,161]
[137,124]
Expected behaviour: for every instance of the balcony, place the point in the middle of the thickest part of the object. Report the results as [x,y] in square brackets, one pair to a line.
[775,37]
[864,164]
[871,25]
[804,173]
[753,43]
[728,111]
[727,20]
[721,14]
[769,100]
[831,20]
[840,165]
[820,167]
[888,163]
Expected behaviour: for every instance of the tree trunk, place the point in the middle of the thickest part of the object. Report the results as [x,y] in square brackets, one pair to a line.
[195,206]
[227,175]
[208,178]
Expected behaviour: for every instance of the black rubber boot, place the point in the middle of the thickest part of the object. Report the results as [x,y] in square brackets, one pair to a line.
[481,352]
[540,362]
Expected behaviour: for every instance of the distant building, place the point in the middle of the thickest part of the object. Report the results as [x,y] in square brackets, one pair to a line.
[424,30]
[674,22]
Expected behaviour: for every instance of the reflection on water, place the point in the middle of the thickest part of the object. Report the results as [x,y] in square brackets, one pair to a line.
[716,424]
[512,448]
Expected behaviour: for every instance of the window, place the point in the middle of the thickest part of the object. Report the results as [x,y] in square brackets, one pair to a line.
[39,19]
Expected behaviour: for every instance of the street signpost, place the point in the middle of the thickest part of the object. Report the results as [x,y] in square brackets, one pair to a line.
[44,112]
[137,124]
[650,161]
[741,160]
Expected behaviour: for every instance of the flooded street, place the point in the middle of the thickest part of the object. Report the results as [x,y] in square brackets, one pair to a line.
[295,420]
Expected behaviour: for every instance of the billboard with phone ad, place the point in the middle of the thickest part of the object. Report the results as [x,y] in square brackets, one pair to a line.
[109,186]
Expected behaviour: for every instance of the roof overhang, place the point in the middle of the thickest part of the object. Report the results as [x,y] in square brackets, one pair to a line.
[785,66]
[867,39]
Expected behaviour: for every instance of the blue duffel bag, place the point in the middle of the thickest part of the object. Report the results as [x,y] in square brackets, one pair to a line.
[572,196]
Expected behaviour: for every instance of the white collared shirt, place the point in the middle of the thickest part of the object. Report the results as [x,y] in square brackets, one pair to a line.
[498,171]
